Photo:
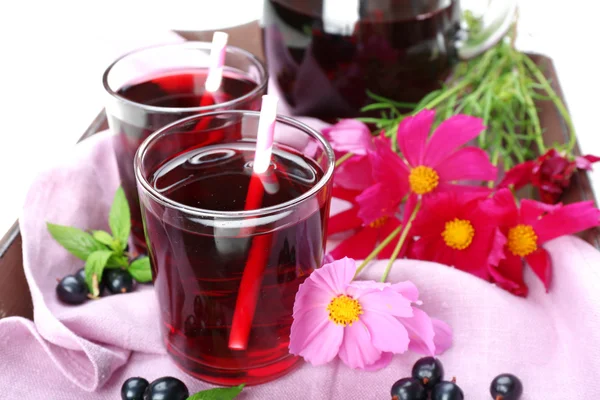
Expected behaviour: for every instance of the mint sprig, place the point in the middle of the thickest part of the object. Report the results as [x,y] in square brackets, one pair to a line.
[218,393]
[100,249]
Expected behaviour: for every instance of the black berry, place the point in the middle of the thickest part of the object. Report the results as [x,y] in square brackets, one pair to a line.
[81,276]
[506,387]
[167,388]
[134,388]
[408,389]
[447,391]
[118,281]
[429,371]
[71,290]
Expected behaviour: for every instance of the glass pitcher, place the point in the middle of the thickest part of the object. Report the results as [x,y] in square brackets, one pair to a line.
[324,55]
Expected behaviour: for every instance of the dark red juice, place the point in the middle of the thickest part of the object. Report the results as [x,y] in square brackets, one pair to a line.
[173,92]
[197,274]
[323,62]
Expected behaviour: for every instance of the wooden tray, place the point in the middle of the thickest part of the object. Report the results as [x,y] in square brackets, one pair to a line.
[15,299]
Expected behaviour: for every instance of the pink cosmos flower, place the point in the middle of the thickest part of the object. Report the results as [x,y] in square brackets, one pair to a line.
[351,136]
[362,322]
[454,229]
[527,229]
[430,165]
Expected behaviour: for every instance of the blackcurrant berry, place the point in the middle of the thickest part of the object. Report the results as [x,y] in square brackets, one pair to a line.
[71,290]
[408,389]
[118,281]
[167,388]
[134,388]
[81,276]
[429,371]
[506,387]
[447,391]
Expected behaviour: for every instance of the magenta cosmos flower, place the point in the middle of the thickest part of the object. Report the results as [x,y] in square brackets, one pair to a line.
[362,322]
[351,136]
[527,228]
[429,165]
[456,230]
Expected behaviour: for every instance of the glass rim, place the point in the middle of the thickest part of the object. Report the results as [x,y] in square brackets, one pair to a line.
[202,212]
[261,86]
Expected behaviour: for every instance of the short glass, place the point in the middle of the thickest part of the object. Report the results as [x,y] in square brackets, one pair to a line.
[153,87]
[215,260]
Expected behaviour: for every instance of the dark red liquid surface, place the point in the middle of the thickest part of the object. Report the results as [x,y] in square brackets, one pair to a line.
[398,49]
[197,271]
[178,89]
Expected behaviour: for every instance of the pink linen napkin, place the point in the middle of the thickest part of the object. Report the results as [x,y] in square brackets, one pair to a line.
[551,341]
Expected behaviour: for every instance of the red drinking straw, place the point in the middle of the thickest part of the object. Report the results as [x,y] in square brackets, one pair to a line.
[262,180]
[215,75]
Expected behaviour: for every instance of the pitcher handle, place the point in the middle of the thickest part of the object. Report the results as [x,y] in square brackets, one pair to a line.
[495,24]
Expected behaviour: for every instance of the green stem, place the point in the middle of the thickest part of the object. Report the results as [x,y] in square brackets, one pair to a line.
[461,85]
[378,249]
[401,241]
[343,158]
[555,99]
[531,109]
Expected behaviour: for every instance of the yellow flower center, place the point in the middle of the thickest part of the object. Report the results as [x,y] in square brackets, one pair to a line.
[344,310]
[458,234]
[379,222]
[522,240]
[423,179]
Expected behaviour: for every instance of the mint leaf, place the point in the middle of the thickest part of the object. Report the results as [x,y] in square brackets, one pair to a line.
[94,267]
[218,393]
[104,238]
[140,270]
[119,218]
[79,243]
[117,260]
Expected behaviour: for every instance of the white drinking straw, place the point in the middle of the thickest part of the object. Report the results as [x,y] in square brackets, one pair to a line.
[217,60]
[266,132]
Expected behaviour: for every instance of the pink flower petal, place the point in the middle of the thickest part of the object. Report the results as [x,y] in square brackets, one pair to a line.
[344,221]
[541,264]
[315,339]
[309,296]
[412,136]
[532,210]
[384,361]
[345,194]
[585,162]
[407,289]
[334,277]
[508,275]
[467,163]
[387,333]
[389,167]
[518,176]
[443,336]
[355,173]
[349,136]
[378,201]
[382,301]
[357,349]
[357,246]
[420,331]
[444,187]
[496,253]
[567,220]
[450,135]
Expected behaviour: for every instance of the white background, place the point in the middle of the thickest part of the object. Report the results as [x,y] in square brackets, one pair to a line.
[53,54]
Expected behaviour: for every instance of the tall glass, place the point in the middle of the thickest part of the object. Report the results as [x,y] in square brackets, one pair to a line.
[153,87]
[229,248]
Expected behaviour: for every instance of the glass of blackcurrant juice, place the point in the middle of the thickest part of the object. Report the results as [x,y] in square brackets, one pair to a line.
[224,248]
[153,87]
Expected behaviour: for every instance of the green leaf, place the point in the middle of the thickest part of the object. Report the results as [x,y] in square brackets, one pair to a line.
[94,267]
[104,238]
[79,243]
[117,260]
[218,393]
[119,218]
[140,270]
